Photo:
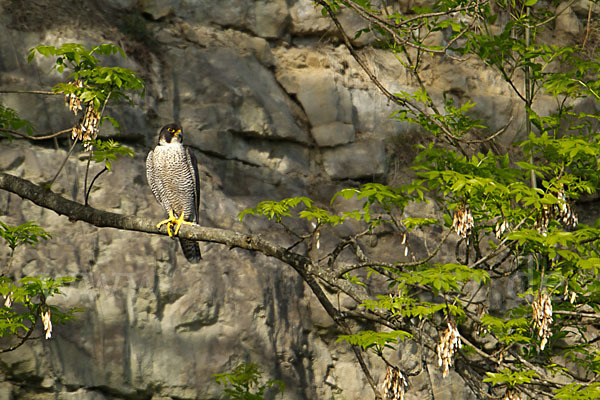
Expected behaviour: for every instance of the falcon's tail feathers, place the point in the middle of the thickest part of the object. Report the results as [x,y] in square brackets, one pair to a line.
[191,250]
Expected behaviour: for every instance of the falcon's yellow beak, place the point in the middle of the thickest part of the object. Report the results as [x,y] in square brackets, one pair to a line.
[177,132]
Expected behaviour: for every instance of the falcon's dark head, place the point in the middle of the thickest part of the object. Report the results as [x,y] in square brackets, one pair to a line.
[171,133]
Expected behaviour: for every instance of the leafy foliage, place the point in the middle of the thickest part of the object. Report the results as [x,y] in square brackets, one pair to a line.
[576,391]
[377,340]
[32,292]
[10,120]
[91,86]
[512,208]
[28,233]
[511,378]
[106,151]
[25,301]
[99,82]
[243,383]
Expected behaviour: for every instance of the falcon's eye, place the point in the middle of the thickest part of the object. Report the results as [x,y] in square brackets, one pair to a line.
[171,130]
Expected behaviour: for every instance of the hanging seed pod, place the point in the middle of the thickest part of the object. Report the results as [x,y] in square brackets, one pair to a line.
[8,299]
[462,221]
[449,344]
[564,210]
[394,384]
[543,219]
[87,127]
[47,323]
[542,317]
[481,309]
[73,102]
[512,394]
[318,239]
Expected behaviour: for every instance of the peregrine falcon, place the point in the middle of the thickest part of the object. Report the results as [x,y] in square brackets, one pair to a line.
[173,177]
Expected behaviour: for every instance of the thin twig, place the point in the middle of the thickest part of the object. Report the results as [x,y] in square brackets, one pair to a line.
[407,21]
[23,340]
[410,106]
[87,195]
[87,191]
[87,168]
[63,163]
[577,314]
[398,265]
[46,92]
[491,137]
[588,26]
[45,137]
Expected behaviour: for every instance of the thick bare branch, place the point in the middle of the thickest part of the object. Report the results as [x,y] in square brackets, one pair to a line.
[104,219]
[78,212]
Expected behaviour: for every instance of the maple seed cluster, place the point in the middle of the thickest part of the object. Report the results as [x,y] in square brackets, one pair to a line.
[73,102]
[87,128]
[47,323]
[394,384]
[542,317]
[449,344]
[571,296]
[511,394]
[561,211]
[565,212]
[501,227]
[463,220]
[8,300]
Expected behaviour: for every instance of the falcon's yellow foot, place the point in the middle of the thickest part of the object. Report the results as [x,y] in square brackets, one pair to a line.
[170,221]
[180,222]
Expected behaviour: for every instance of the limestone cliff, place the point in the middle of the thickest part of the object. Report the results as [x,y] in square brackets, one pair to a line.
[273,106]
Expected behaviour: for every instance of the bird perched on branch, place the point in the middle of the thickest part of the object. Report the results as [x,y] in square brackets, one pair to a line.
[173,177]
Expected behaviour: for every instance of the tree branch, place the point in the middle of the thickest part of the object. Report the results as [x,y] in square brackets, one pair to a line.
[104,219]
[46,92]
[44,137]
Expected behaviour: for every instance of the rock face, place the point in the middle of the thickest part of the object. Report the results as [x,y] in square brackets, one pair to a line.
[271,111]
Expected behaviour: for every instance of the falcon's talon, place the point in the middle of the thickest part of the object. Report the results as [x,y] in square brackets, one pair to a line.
[169,222]
[180,222]
[174,221]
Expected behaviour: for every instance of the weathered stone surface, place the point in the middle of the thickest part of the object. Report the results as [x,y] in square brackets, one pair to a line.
[267,19]
[364,159]
[216,89]
[323,100]
[567,22]
[156,8]
[308,20]
[305,19]
[270,18]
[209,36]
[333,134]
[122,4]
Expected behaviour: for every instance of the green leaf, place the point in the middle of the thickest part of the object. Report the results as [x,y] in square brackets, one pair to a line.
[106,151]
[28,233]
[369,339]
[243,383]
[511,378]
